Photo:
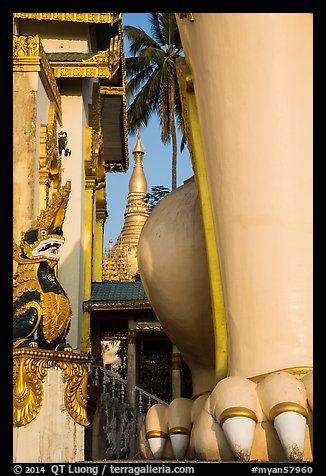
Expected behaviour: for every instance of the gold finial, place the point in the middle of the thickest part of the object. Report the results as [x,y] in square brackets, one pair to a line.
[138,182]
[138,147]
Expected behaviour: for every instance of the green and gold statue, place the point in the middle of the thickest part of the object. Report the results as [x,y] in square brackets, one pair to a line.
[42,312]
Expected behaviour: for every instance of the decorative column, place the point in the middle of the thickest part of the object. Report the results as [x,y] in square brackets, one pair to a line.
[101,215]
[131,362]
[50,396]
[90,181]
[100,193]
[176,372]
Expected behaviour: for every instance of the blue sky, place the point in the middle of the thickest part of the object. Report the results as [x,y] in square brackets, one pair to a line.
[156,162]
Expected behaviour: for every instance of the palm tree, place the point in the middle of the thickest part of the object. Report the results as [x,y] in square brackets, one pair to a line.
[152,80]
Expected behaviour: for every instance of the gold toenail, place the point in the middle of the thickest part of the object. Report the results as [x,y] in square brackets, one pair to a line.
[286,407]
[237,412]
[156,434]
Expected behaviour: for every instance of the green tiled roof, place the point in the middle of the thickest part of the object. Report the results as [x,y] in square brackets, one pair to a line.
[117,295]
[69,56]
[116,291]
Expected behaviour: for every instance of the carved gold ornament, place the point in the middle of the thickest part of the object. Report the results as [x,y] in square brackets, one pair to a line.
[56,315]
[29,56]
[103,64]
[25,280]
[29,374]
[74,17]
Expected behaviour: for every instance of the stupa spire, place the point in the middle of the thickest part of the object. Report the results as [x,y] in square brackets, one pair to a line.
[138,182]
[138,147]
[136,213]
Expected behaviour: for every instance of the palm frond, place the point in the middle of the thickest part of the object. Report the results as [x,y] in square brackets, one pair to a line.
[152,83]
[156,29]
[169,28]
[139,39]
[152,55]
[183,143]
[145,102]
[137,80]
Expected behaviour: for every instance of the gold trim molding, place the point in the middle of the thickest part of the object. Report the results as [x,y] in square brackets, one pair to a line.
[298,372]
[29,373]
[195,146]
[29,56]
[74,17]
[112,90]
[148,327]
[111,305]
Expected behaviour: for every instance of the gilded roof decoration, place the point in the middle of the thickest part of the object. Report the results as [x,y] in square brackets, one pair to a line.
[28,56]
[74,17]
[103,64]
[113,92]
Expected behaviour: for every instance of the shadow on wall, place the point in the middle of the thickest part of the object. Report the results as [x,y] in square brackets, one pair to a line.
[71,278]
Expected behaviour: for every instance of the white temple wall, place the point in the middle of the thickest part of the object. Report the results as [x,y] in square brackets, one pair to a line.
[71,265]
[72,37]
[53,436]
[31,107]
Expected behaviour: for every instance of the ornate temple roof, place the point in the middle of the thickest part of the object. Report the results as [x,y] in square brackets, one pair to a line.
[104,61]
[117,295]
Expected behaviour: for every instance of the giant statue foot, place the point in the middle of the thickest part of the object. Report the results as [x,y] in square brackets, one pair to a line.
[229,273]
[240,420]
[262,409]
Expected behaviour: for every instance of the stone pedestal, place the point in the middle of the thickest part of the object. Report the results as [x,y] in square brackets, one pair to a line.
[50,389]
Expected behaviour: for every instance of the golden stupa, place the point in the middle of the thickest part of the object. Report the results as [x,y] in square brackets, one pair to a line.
[121,263]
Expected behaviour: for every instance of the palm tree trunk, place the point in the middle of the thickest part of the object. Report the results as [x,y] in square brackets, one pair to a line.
[174,156]
[173,133]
